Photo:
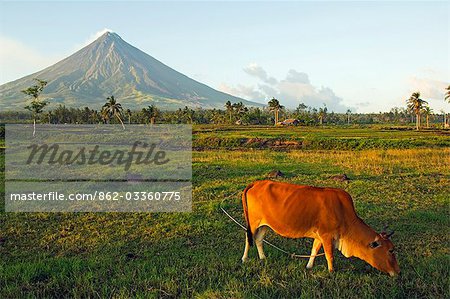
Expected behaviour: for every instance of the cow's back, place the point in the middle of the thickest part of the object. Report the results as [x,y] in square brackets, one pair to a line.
[298,211]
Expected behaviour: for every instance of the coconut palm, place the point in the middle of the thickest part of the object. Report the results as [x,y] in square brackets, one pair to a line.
[112,108]
[349,112]
[105,116]
[94,116]
[427,111]
[416,104]
[322,114]
[275,107]
[230,109]
[151,112]
[188,114]
[445,119]
[129,116]
[216,116]
[240,109]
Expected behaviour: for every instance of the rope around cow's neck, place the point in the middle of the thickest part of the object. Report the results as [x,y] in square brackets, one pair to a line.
[292,255]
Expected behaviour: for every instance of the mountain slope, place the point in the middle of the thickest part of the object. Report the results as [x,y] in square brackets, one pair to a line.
[111,66]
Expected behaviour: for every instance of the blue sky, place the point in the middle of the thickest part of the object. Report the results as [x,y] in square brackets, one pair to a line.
[366,56]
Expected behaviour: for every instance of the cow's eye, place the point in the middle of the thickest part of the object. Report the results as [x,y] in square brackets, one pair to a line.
[374,244]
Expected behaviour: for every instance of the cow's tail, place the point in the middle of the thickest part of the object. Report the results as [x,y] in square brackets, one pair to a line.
[245,207]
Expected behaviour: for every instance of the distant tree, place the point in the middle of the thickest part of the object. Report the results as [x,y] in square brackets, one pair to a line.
[256,116]
[95,118]
[179,115]
[416,104]
[36,106]
[427,111]
[322,114]
[275,107]
[188,114]
[151,113]
[49,116]
[112,108]
[129,116]
[445,118]
[86,115]
[447,98]
[349,112]
[240,109]
[230,110]
[301,108]
[216,117]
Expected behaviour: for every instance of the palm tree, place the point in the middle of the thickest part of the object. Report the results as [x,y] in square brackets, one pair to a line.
[50,116]
[275,107]
[349,112]
[216,116]
[447,94]
[152,113]
[427,111]
[129,116]
[188,114]
[445,120]
[322,113]
[105,116]
[415,104]
[229,108]
[94,116]
[447,98]
[112,108]
[240,109]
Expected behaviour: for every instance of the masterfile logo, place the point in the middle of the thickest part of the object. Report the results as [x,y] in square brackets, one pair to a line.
[51,154]
[98,168]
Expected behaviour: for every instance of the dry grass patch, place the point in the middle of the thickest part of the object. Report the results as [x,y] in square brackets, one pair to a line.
[381,162]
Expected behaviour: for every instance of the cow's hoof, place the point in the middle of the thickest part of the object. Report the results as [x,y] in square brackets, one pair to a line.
[244,259]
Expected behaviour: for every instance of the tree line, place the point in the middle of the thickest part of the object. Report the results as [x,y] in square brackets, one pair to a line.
[233,113]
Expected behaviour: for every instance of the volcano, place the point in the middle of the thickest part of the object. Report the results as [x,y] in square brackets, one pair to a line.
[110,66]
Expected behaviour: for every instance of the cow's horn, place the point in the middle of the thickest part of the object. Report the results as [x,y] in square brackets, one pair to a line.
[384,229]
[390,234]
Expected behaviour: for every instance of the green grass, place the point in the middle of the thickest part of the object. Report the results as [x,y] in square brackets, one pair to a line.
[197,254]
[341,138]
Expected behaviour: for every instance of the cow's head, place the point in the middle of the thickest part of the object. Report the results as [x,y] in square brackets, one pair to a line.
[381,254]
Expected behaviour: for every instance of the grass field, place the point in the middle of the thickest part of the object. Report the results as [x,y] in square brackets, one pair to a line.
[316,138]
[197,254]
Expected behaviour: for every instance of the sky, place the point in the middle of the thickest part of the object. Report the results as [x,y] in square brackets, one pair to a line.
[363,56]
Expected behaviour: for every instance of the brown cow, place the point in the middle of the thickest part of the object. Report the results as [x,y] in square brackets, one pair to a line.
[325,214]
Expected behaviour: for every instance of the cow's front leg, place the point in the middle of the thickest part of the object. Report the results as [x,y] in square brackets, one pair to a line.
[315,249]
[259,237]
[246,249]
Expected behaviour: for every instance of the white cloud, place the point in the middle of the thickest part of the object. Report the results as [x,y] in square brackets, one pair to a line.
[244,91]
[431,87]
[294,89]
[257,71]
[428,87]
[18,60]
[297,77]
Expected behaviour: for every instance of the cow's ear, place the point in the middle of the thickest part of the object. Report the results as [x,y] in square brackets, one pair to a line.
[374,244]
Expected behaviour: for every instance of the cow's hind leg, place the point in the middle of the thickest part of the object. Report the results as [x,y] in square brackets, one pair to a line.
[328,248]
[247,248]
[259,237]
[315,249]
